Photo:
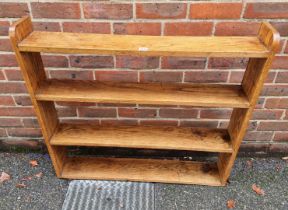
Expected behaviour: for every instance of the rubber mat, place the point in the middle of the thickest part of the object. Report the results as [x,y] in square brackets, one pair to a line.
[109,195]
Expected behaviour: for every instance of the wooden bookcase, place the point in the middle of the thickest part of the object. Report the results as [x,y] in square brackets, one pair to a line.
[260,50]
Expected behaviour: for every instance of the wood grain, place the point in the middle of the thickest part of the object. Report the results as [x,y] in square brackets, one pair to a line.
[252,83]
[146,137]
[144,170]
[33,73]
[147,93]
[59,42]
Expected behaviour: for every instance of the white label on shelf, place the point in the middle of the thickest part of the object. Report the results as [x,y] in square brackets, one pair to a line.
[143,49]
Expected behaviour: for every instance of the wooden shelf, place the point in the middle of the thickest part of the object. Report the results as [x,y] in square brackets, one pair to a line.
[59,42]
[149,93]
[146,137]
[144,170]
[28,44]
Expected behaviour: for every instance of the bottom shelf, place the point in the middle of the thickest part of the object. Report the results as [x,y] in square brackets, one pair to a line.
[144,170]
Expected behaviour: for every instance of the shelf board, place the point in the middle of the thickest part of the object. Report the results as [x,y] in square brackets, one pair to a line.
[144,170]
[146,137]
[81,43]
[143,93]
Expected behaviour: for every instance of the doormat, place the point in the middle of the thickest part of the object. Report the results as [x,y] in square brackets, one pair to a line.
[110,195]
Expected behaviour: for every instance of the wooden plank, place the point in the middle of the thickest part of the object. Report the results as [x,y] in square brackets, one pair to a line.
[144,170]
[33,73]
[147,93]
[253,80]
[147,137]
[59,42]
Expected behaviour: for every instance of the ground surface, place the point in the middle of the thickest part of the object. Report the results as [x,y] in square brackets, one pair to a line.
[48,192]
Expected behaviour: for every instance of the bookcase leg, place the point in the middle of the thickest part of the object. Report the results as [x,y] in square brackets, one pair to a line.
[252,83]
[33,73]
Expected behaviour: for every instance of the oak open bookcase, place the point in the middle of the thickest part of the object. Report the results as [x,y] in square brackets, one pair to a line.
[260,50]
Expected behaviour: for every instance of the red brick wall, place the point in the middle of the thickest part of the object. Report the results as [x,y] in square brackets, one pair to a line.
[268,129]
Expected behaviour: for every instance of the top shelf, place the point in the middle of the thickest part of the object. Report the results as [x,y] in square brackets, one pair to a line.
[59,42]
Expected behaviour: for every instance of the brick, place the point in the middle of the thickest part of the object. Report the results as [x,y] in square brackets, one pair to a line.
[5,45]
[2,77]
[275,90]
[82,27]
[10,122]
[278,148]
[115,105]
[276,103]
[30,123]
[161,10]
[188,29]
[23,100]
[46,26]
[12,87]
[286,49]
[281,27]
[24,144]
[227,63]
[178,113]
[137,113]
[160,76]
[24,132]
[3,133]
[258,136]
[135,62]
[201,124]
[55,61]
[281,136]
[67,112]
[237,76]
[13,75]
[153,29]
[281,47]
[266,10]
[107,10]
[97,112]
[8,60]
[260,103]
[56,10]
[273,126]
[260,114]
[183,63]
[92,61]
[116,76]
[252,125]
[159,122]
[254,148]
[280,62]
[119,122]
[6,101]
[205,76]
[4,28]
[81,121]
[65,103]
[215,10]
[17,111]
[69,74]
[282,77]
[223,124]
[215,113]
[237,28]
[13,10]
